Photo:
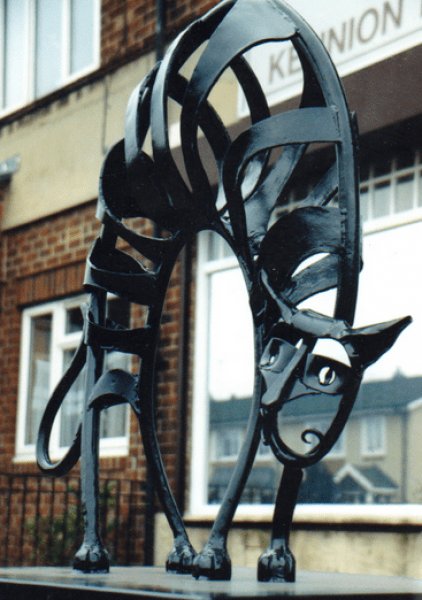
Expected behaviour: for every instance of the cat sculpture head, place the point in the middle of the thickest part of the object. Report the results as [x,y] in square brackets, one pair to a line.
[293,367]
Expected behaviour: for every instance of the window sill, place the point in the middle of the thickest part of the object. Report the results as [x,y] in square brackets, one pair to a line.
[28,456]
[392,221]
[387,515]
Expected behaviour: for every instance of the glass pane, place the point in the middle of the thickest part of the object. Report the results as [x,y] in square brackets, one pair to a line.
[230,382]
[113,419]
[72,405]
[404,193]
[39,375]
[373,431]
[381,202]
[15,64]
[118,311]
[82,34]
[74,320]
[212,247]
[48,46]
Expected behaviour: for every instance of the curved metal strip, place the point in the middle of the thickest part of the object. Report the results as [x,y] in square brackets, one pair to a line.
[154,249]
[57,398]
[179,51]
[311,47]
[319,277]
[260,205]
[137,117]
[325,189]
[295,237]
[301,126]
[115,387]
[115,272]
[247,24]
[191,119]
[129,341]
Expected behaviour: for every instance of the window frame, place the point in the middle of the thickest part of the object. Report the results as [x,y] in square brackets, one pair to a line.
[26,452]
[365,433]
[394,217]
[198,508]
[29,40]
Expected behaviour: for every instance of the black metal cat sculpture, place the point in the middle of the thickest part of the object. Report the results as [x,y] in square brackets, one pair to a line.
[183,200]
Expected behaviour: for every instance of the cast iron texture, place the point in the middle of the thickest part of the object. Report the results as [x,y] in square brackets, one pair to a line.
[242,208]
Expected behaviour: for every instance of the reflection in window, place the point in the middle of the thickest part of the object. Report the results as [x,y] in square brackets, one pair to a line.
[223,391]
[373,434]
[39,374]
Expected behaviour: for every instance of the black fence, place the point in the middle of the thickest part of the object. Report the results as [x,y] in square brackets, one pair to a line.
[41,520]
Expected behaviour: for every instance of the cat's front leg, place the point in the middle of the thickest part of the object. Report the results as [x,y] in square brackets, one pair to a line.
[181,556]
[277,563]
[213,563]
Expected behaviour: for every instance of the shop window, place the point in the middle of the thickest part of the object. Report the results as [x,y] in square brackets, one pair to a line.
[373,432]
[50,335]
[45,45]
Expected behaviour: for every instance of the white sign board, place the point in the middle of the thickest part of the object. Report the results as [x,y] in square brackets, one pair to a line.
[356,33]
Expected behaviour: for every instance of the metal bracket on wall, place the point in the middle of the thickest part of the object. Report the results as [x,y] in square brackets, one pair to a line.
[9,166]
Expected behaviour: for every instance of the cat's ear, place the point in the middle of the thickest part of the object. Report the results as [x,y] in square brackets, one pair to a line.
[366,344]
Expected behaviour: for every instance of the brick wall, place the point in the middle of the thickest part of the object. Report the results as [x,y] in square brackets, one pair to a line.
[128,26]
[45,261]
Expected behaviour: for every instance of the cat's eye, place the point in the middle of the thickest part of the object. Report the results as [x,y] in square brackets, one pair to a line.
[327,376]
[272,358]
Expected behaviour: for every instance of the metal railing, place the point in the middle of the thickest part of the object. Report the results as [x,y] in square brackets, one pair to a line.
[41,521]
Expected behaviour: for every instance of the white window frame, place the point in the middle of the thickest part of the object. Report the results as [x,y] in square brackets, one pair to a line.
[24,452]
[367,422]
[28,39]
[200,416]
[394,218]
[198,508]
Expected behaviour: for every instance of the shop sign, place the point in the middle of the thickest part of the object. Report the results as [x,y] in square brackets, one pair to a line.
[356,34]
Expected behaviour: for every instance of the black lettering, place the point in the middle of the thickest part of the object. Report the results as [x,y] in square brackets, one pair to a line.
[351,32]
[367,37]
[275,66]
[332,38]
[395,17]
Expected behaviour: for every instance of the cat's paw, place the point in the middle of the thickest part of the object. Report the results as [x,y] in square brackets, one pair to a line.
[180,558]
[212,563]
[92,559]
[277,565]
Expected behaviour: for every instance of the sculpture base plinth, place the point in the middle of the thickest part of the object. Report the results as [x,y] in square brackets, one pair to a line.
[124,583]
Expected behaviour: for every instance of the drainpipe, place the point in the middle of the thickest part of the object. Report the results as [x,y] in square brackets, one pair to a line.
[160,37]
[160,29]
